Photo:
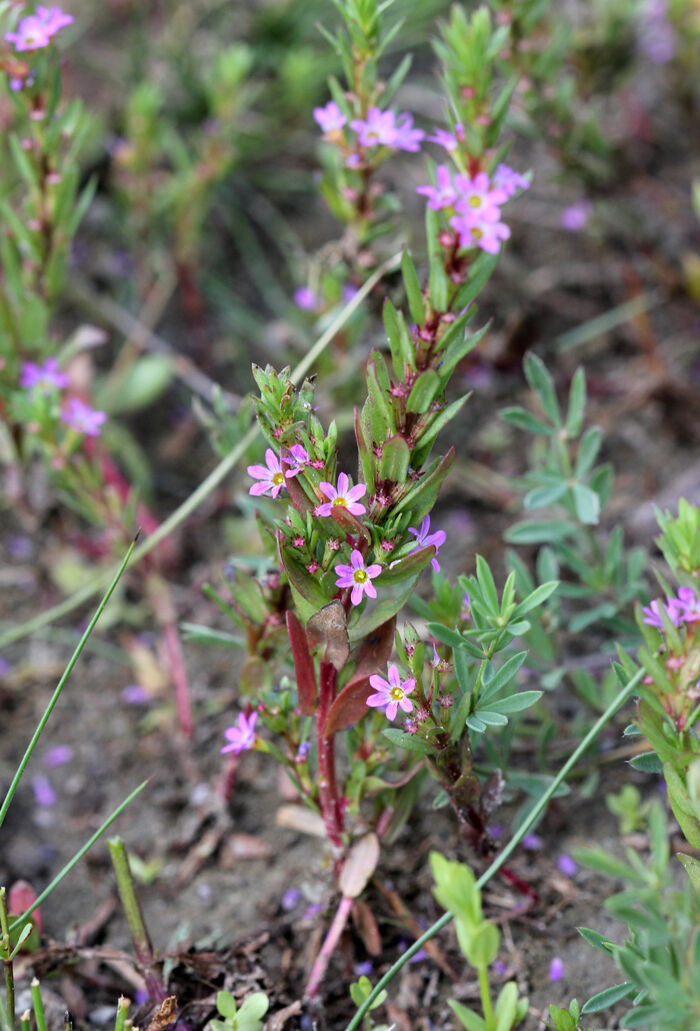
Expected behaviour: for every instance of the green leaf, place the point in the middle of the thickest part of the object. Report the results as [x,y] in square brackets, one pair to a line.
[506,1007]
[540,497]
[445,635]
[456,346]
[598,859]
[481,271]
[423,393]
[588,451]
[408,741]
[137,386]
[586,503]
[543,385]
[597,940]
[525,420]
[208,635]
[413,289]
[539,531]
[395,459]
[535,598]
[647,762]
[692,868]
[496,681]
[609,996]
[226,1005]
[483,943]
[467,1018]
[577,404]
[421,497]
[490,717]
[476,724]
[516,703]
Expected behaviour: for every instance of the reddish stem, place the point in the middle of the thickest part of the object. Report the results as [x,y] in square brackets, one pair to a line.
[331,809]
[331,940]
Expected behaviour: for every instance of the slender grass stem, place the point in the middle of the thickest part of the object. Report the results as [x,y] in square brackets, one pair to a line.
[622,696]
[38,1006]
[6,956]
[59,688]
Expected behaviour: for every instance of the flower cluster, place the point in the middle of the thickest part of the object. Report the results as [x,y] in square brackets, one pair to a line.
[473,203]
[684,608]
[377,129]
[37,30]
[46,379]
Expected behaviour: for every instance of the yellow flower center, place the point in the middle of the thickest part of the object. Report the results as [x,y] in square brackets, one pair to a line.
[339,501]
[396,694]
[475,200]
[359,576]
[477,233]
[278,478]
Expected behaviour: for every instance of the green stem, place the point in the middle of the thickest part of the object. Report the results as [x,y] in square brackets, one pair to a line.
[622,696]
[57,693]
[486,996]
[5,953]
[38,1006]
[208,485]
[134,917]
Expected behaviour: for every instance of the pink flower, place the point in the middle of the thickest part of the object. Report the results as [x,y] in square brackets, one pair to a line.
[556,969]
[82,418]
[358,576]
[391,693]
[31,34]
[271,478]
[448,140]
[689,605]
[306,299]
[330,118]
[380,129]
[478,197]
[342,496]
[299,460]
[54,19]
[241,737]
[652,613]
[508,180]
[485,234]
[574,218]
[47,376]
[444,194]
[424,539]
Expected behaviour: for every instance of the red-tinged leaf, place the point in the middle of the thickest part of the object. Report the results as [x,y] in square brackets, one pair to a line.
[359,866]
[349,522]
[20,898]
[298,496]
[366,926]
[328,629]
[373,653]
[349,707]
[404,568]
[304,669]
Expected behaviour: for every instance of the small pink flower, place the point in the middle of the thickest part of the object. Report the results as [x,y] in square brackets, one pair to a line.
[241,737]
[486,235]
[380,129]
[689,605]
[348,498]
[31,34]
[306,299]
[299,460]
[574,218]
[478,196]
[408,138]
[82,418]
[358,576]
[508,180]
[271,478]
[424,539]
[443,195]
[54,19]
[391,693]
[652,613]
[450,141]
[330,118]
[556,969]
[47,376]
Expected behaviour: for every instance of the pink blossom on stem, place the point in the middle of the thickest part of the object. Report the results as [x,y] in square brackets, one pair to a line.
[31,34]
[652,613]
[299,459]
[306,299]
[689,604]
[485,234]
[47,376]
[478,196]
[380,129]
[343,495]
[358,576]
[271,476]
[391,693]
[424,539]
[443,195]
[508,180]
[54,19]
[82,418]
[242,736]
[408,138]
[330,118]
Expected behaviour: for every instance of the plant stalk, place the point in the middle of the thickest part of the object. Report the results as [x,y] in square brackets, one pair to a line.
[5,953]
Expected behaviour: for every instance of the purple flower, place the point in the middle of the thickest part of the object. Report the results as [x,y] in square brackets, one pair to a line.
[424,539]
[652,613]
[31,34]
[82,418]
[364,969]
[574,217]
[330,118]
[478,197]
[43,792]
[486,235]
[532,842]
[656,33]
[444,194]
[291,899]
[391,693]
[241,737]
[359,577]
[19,546]
[508,180]
[58,755]
[306,299]
[271,476]
[47,376]
[499,967]
[134,694]
[689,605]
[299,460]
[556,969]
[567,865]
[447,140]
[347,498]
[380,129]
[54,19]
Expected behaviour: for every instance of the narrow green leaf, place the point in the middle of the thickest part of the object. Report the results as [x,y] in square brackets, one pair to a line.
[540,497]
[525,420]
[608,997]
[408,741]
[535,598]
[539,531]
[515,703]
[596,939]
[587,504]
[588,450]
[396,456]
[543,385]
[424,391]
[414,292]
[577,404]
[501,677]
